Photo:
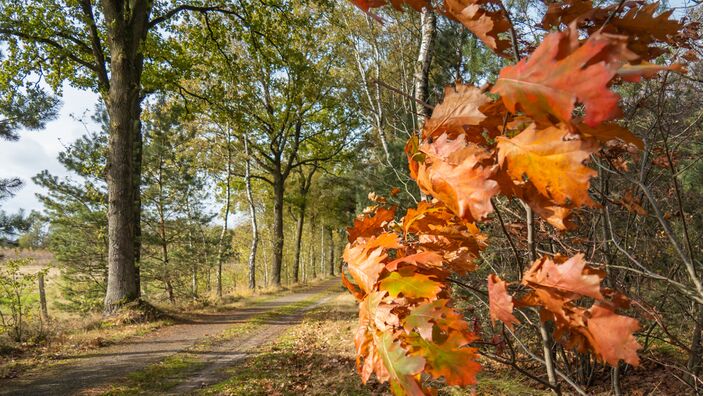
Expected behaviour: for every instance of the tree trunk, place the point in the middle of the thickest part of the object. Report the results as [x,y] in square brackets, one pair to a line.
[278,237]
[322,250]
[127,29]
[226,214]
[44,312]
[694,363]
[253,218]
[332,253]
[422,67]
[170,291]
[299,237]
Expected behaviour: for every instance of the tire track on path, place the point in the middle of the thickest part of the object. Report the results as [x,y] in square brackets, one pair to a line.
[98,368]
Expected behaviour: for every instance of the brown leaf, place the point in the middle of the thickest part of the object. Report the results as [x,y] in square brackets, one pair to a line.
[612,335]
[500,302]
[457,174]
[480,18]
[551,159]
[572,276]
[560,73]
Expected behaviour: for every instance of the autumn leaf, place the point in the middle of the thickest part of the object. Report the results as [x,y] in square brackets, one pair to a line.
[565,12]
[436,313]
[479,18]
[352,288]
[450,358]
[458,112]
[410,284]
[572,275]
[367,225]
[366,260]
[456,173]
[551,159]
[632,204]
[428,259]
[612,335]
[644,28]
[559,74]
[401,368]
[500,302]
[635,73]
[607,132]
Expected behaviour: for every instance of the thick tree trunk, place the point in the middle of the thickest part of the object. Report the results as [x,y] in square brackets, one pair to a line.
[299,237]
[253,218]
[422,68]
[127,29]
[278,237]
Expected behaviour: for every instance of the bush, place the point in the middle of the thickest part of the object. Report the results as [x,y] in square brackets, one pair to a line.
[16,300]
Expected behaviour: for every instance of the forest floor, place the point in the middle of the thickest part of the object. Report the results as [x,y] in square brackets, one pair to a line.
[298,343]
[195,348]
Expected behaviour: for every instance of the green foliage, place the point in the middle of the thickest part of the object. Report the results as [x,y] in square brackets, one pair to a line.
[76,210]
[17,301]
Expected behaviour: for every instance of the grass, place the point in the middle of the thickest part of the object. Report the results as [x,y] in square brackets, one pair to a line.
[171,371]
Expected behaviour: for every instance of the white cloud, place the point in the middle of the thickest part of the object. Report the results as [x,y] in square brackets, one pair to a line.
[38,150]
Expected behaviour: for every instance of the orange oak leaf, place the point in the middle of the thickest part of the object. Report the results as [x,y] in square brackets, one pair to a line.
[366,225]
[560,73]
[366,260]
[641,25]
[458,112]
[483,19]
[449,358]
[635,73]
[352,288]
[439,229]
[607,131]
[400,369]
[557,215]
[428,259]
[436,313]
[632,204]
[500,302]
[565,12]
[572,276]
[612,335]
[551,159]
[457,173]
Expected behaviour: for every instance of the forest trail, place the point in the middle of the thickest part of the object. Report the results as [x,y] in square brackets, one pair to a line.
[92,372]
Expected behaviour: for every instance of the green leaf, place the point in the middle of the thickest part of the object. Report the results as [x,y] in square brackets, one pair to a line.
[411,284]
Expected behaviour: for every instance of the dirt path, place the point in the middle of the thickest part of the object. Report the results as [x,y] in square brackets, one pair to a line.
[108,365]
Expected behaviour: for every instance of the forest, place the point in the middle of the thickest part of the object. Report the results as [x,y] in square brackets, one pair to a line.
[411,197]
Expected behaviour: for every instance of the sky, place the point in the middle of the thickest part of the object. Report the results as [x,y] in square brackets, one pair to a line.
[38,150]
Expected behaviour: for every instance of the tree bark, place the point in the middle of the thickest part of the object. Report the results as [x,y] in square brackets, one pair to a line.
[422,67]
[44,312]
[278,237]
[331,261]
[253,218]
[127,29]
[226,214]
[694,363]
[299,237]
